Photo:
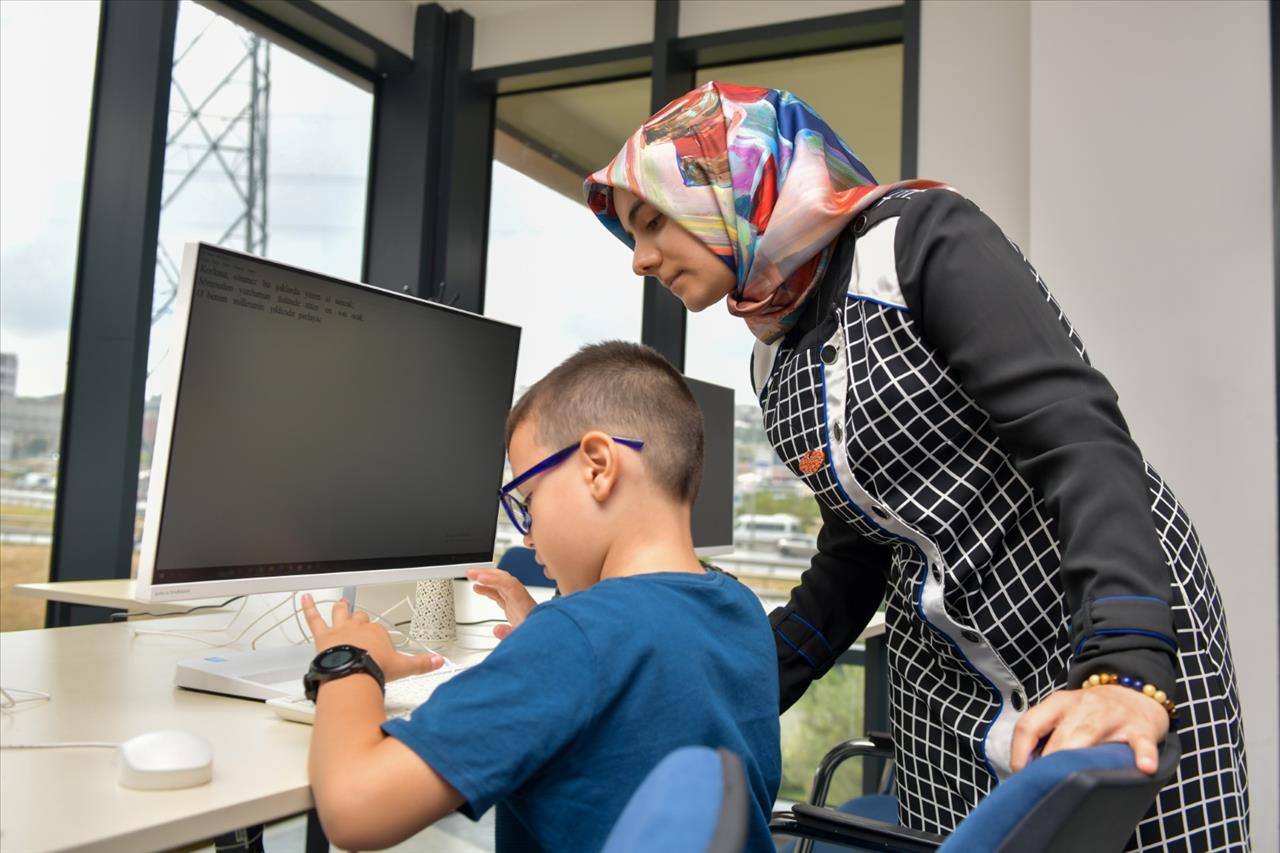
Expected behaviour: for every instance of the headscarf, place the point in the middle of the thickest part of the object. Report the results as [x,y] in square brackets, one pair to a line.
[759,178]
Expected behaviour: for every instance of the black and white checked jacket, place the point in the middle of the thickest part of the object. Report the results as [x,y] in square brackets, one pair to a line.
[974,470]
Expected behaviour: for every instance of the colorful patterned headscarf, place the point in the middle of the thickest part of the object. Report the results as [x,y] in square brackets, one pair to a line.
[758,177]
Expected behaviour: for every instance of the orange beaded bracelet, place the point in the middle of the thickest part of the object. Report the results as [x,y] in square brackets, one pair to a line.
[1148,690]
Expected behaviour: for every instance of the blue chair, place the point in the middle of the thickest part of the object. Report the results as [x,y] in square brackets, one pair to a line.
[519,561]
[694,801]
[1076,801]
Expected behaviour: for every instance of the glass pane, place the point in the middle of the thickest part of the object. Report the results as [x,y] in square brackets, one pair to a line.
[552,269]
[859,93]
[43,137]
[268,153]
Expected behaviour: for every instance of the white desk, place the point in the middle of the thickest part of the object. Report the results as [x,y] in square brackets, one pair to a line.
[114,594]
[109,685]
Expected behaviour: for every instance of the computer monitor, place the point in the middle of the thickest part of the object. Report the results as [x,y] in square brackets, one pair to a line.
[315,432]
[713,509]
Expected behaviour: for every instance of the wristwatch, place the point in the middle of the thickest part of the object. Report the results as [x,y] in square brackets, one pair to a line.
[339,662]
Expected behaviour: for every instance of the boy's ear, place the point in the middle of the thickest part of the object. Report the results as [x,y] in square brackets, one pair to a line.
[602,464]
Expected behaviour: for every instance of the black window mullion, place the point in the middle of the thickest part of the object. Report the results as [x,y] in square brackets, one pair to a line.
[401,224]
[111,307]
[663,320]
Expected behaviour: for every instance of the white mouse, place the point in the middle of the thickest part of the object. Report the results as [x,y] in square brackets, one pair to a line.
[165,759]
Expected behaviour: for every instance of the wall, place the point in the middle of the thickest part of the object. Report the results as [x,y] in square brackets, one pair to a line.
[1150,218]
[974,105]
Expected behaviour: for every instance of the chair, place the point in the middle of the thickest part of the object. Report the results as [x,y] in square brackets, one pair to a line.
[519,562]
[1075,801]
[694,801]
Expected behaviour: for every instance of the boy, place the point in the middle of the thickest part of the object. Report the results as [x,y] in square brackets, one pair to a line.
[644,652]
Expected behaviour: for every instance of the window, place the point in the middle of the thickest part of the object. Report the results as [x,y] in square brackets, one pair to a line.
[268,153]
[859,93]
[43,142]
[552,268]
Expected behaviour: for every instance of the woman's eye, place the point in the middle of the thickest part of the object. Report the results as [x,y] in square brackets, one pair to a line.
[655,223]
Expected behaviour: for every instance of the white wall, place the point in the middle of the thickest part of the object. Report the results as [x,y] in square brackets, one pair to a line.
[389,20]
[974,105]
[1151,219]
[698,17]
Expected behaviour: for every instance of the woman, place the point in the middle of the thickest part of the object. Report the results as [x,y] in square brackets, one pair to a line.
[970,466]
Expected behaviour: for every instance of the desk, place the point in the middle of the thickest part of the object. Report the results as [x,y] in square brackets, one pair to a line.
[108,685]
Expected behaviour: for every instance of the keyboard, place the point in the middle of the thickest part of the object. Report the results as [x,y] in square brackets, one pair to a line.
[403,695]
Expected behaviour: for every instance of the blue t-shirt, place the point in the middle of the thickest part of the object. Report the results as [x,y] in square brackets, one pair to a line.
[562,722]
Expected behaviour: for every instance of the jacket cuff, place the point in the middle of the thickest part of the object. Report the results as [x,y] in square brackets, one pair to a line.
[800,643]
[1116,622]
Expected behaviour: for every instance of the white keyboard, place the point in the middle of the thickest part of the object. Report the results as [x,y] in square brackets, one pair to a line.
[403,695]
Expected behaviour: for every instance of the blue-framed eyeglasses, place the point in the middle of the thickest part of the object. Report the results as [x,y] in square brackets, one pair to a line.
[517,507]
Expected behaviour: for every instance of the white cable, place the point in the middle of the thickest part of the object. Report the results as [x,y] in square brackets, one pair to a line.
[230,642]
[8,700]
[84,744]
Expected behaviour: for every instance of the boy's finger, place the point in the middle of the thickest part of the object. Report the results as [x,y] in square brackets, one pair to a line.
[502,631]
[340,613]
[314,620]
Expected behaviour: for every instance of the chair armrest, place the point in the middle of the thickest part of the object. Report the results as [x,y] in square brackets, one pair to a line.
[818,823]
[874,745]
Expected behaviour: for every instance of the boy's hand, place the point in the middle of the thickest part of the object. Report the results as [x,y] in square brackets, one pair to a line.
[356,630]
[1074,719]
[501,587]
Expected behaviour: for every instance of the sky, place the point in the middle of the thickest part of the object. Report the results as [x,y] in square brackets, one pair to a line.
[552,269]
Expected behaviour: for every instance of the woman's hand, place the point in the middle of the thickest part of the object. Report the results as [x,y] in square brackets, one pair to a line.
[356,630]
[509,594]
[1074,719]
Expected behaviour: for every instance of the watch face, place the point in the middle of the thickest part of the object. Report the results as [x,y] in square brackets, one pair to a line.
[335,658]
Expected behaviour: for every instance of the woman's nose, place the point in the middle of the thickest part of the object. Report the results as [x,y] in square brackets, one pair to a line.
[645,260]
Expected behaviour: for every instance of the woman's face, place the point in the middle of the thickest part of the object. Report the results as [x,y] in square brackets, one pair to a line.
[666,251]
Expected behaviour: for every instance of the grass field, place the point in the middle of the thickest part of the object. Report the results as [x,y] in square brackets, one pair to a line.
[22,564]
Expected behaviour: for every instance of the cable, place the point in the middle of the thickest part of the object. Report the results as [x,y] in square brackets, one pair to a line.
[125,614]
[8,700]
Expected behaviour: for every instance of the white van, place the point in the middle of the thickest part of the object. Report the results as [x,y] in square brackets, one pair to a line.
[765,530]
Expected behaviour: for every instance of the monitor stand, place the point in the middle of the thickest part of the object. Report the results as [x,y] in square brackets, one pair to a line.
[260,674]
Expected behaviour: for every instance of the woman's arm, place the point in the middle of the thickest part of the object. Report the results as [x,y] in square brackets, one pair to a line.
[980,305]
[835,600]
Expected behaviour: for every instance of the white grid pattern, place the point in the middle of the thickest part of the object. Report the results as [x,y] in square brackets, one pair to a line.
[920,447]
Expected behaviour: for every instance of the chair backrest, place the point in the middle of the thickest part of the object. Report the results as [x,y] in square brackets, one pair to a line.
[519,561]
[694,801]
[1070,801]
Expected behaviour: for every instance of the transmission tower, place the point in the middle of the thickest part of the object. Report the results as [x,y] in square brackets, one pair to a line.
[217,125]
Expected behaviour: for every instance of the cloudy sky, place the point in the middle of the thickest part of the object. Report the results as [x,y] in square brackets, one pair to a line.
[551,269]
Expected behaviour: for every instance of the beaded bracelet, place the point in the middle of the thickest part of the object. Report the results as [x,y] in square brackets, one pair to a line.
[1149,690]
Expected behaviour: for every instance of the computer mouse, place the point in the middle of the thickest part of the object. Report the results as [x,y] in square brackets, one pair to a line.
[165,759]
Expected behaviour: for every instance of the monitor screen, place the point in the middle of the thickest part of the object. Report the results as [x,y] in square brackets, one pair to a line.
[317,433]
[713,509]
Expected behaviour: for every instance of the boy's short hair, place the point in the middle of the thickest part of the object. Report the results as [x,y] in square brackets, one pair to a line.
[627,390]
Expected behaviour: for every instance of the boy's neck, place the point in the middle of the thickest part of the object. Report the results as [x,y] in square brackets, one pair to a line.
[662,543]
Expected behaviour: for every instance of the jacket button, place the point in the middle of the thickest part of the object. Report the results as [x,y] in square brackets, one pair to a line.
[1017,700]
[971,636]
[860,224]
[828,355]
